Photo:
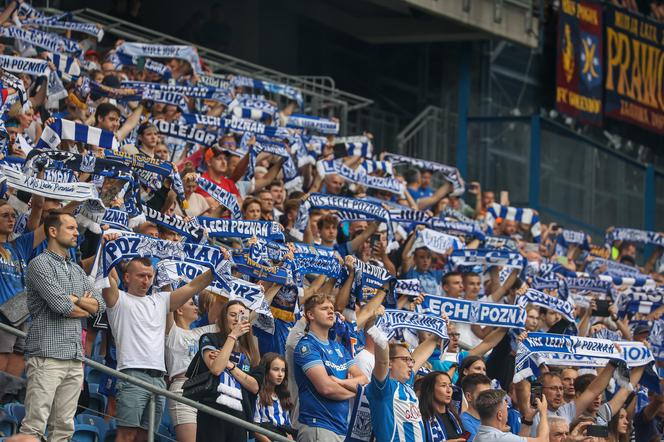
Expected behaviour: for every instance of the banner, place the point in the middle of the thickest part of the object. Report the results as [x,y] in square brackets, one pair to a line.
[579,61]
[474,312]
[634,68]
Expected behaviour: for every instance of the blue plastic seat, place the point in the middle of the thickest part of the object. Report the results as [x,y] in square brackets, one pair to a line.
[95,421]
[8,426]
[86,433]
[98,402]
[17,411]
[94,376]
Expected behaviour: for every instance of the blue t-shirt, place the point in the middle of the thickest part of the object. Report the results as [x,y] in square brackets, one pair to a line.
[395,410]
[470,424]
[429,280]
[12,271]
[316,410]
[438,365]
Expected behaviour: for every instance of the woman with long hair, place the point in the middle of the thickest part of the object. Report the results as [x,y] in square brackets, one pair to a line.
[619,427]
[251,209]
[274,403]
[471,365]
[230,354]
[441,422]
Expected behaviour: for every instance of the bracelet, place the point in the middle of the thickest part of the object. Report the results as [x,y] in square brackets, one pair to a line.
[526,422]
[232,337]
[232,368]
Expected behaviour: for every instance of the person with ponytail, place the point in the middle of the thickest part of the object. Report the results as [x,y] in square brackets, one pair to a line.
[273,402]
[230,354]
[441,422]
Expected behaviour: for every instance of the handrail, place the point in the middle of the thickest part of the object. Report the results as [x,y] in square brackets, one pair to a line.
[408,131]
[163,392]
[222,61]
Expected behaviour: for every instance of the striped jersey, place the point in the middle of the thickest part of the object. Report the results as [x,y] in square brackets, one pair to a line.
[271,414]
[395,410]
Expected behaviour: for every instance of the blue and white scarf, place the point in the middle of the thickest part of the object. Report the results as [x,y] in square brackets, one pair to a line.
[347,209]
[315,124]
[450,173]
[356,145]
[186,132]
[67,66]
[166,97]
[181,52]
[408,287]
[318,260]
[613,268]
[437,242]
[394,320]
[360,428]
[569,238]
[242,125]
[474,312]
[30,66]
[119,60]
[435,429]
[116,219]
[190,230]
[69,130]
[532,296]
[471,230]
[255,264]
[206,120]
[520,215]
[275,88]
[222,196]
[288,167]
[486,257]
[369,280]
[206,92]
[135,245]
[217,81]
[240,228]
[58,22]
[50,42]
[359,176]
[554,349]
[633,235]
[61,191]
[252,295]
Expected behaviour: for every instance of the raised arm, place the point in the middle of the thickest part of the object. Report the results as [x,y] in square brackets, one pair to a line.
[132,121]
[491,340]
[596,387]
[424,351]
[184,293]
[439,194]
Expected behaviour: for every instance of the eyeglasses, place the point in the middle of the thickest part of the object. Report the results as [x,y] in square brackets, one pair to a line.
[407,359]
[9,215]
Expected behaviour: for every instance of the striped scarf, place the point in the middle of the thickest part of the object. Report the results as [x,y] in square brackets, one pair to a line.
[69,130]
[181,52]
[524,216]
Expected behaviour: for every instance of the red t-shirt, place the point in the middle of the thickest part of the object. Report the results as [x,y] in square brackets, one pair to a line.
[225,183]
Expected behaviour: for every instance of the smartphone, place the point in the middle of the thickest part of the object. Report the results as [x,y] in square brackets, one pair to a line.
[535,393]
[373,240]
[602,309]
[465,435]
[597,431]
[243,317]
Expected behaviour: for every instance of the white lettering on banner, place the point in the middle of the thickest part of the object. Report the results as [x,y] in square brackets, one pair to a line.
[245,125]
[239,226]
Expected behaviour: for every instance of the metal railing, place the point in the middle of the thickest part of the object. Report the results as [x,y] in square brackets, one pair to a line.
[427,135]
[319,92]
[249,426]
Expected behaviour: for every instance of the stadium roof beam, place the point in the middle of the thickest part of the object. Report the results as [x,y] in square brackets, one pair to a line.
[425,21]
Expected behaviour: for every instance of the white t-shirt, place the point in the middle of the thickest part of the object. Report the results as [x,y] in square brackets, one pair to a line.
[182,346]
[467,338]
[366,361]
[139,329]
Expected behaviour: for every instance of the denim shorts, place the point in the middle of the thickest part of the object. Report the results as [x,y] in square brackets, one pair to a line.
[132,401]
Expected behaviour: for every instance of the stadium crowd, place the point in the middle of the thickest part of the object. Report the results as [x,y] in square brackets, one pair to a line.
[199,232]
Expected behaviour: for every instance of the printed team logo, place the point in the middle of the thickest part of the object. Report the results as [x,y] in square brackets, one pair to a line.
[341,355]
[590,67]
[304,350]
[568,53]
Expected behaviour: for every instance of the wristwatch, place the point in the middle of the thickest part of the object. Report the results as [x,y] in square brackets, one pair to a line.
[232,368]
[524,421]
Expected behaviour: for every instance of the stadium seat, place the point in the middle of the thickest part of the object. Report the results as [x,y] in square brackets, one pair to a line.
[86,433]
[7,426]
[98,402]
[17,411]
[94,420]
[93,376]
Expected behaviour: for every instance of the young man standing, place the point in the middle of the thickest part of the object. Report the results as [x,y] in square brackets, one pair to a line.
[492,409]
[395,412]
[472,385]
[138,321]
[59,295]
[326,376]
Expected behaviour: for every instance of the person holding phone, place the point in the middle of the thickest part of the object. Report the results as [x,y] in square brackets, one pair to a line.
[230,354]
[441,421]
[491,405]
